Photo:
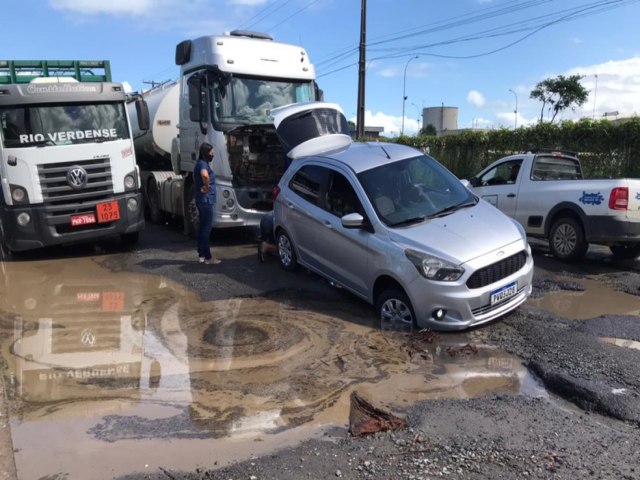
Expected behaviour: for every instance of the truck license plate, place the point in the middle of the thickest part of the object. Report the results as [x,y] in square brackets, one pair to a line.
[85,219]
[108,211]
[503,293]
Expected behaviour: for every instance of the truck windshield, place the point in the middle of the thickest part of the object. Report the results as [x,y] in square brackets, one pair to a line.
[28,126]
[246,100]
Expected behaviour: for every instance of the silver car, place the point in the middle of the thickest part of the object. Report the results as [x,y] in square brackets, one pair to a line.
[396,228]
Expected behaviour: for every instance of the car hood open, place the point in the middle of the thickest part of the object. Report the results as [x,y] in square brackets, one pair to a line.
[311,128]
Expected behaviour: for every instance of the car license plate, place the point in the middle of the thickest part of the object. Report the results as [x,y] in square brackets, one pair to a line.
[85,219]
[108,211]
[503,293]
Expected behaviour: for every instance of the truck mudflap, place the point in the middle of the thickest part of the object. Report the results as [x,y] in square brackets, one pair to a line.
[96,221]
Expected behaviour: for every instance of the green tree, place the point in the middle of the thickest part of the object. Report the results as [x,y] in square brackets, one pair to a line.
[429,130]
[558,94]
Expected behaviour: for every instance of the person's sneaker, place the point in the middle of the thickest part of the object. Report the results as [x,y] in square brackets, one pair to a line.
[261,254]
[213,261]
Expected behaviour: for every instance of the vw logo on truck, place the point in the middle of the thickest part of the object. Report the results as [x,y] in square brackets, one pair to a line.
[77,177]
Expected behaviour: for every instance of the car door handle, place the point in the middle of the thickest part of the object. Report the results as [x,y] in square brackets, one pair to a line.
[511,195]
[327,224]
[290,205]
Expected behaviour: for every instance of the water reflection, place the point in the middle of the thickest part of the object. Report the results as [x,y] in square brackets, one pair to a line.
[136,371]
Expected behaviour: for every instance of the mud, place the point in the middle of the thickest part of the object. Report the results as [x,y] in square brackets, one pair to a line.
[113,372]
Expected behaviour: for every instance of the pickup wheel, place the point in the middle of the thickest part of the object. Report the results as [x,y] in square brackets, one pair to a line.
[566,240]
[627,251]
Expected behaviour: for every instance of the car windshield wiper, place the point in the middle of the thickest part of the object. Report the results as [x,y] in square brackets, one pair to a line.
[410,221]
[452,208]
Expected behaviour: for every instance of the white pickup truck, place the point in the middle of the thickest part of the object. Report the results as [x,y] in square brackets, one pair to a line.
[544,190]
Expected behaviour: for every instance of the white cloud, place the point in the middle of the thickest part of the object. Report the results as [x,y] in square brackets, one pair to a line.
[475,98]
[392,125]
[96,7]
[617,88]
[387,72]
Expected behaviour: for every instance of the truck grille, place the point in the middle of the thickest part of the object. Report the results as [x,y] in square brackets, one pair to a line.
[58,194]
[497,271]
[61,200]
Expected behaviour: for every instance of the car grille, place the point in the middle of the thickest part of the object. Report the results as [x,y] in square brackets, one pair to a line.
[497,271]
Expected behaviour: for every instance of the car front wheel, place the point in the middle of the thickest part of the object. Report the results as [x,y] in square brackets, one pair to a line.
[395,310]
[286,252]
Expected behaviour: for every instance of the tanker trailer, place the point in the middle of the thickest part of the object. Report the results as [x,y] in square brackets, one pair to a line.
[161,187]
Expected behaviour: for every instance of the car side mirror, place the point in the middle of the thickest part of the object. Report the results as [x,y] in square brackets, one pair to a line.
[353,220]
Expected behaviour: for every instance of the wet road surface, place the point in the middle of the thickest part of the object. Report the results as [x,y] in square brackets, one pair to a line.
[109,371]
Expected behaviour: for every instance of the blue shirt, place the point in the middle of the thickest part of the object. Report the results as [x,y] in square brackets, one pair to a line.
[209,197]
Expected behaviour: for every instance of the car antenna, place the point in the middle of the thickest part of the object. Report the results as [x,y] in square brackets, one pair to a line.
[385,152]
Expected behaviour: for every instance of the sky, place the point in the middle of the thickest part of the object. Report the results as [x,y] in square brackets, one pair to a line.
[482,57]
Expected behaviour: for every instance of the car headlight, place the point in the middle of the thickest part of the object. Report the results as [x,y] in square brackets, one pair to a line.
[434,268]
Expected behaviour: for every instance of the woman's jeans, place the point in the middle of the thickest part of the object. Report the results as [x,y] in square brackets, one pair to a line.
[205,215]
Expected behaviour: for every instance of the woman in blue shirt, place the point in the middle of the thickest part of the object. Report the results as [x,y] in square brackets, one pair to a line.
[205,193]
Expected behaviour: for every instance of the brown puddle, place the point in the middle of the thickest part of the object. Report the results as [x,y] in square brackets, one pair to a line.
[596,300]
[112,373]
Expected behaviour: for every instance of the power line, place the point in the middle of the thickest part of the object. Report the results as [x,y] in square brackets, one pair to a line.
[532,25]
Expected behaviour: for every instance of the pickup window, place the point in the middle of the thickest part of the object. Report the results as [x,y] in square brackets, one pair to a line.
[555,168]
[503,174]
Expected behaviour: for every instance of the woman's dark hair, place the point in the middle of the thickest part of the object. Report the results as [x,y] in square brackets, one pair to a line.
[205,148]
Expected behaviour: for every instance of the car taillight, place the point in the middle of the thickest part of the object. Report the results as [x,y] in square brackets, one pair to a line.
[275,192]
[619,198]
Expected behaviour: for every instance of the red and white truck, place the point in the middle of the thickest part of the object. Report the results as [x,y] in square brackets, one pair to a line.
[545,191]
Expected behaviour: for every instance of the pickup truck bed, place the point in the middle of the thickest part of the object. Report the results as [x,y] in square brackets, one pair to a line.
[545,192]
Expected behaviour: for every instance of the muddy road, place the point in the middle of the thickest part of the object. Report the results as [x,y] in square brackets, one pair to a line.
[146,364]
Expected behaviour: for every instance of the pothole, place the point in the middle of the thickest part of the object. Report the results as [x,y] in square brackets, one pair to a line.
[136,371]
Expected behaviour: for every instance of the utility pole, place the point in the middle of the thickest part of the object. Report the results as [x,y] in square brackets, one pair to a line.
[515,112]
[361,70]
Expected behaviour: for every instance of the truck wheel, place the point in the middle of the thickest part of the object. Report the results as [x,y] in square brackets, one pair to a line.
[128,240]
[156,215]
[5,252]
[627,251]
[286,252]
[395,311]
[566,240]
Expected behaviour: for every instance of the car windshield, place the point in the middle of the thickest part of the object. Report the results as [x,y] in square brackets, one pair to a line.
[413,190]
[249,101]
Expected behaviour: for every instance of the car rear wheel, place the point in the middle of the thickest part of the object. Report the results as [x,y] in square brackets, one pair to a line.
[628,251]
[286,252]
[566,239]
[395,310]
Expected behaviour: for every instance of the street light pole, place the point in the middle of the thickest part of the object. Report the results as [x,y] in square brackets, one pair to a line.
[404,88]
[515,112]
[595,95]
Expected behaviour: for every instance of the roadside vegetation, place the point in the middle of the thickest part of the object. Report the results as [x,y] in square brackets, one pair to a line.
[607,149]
